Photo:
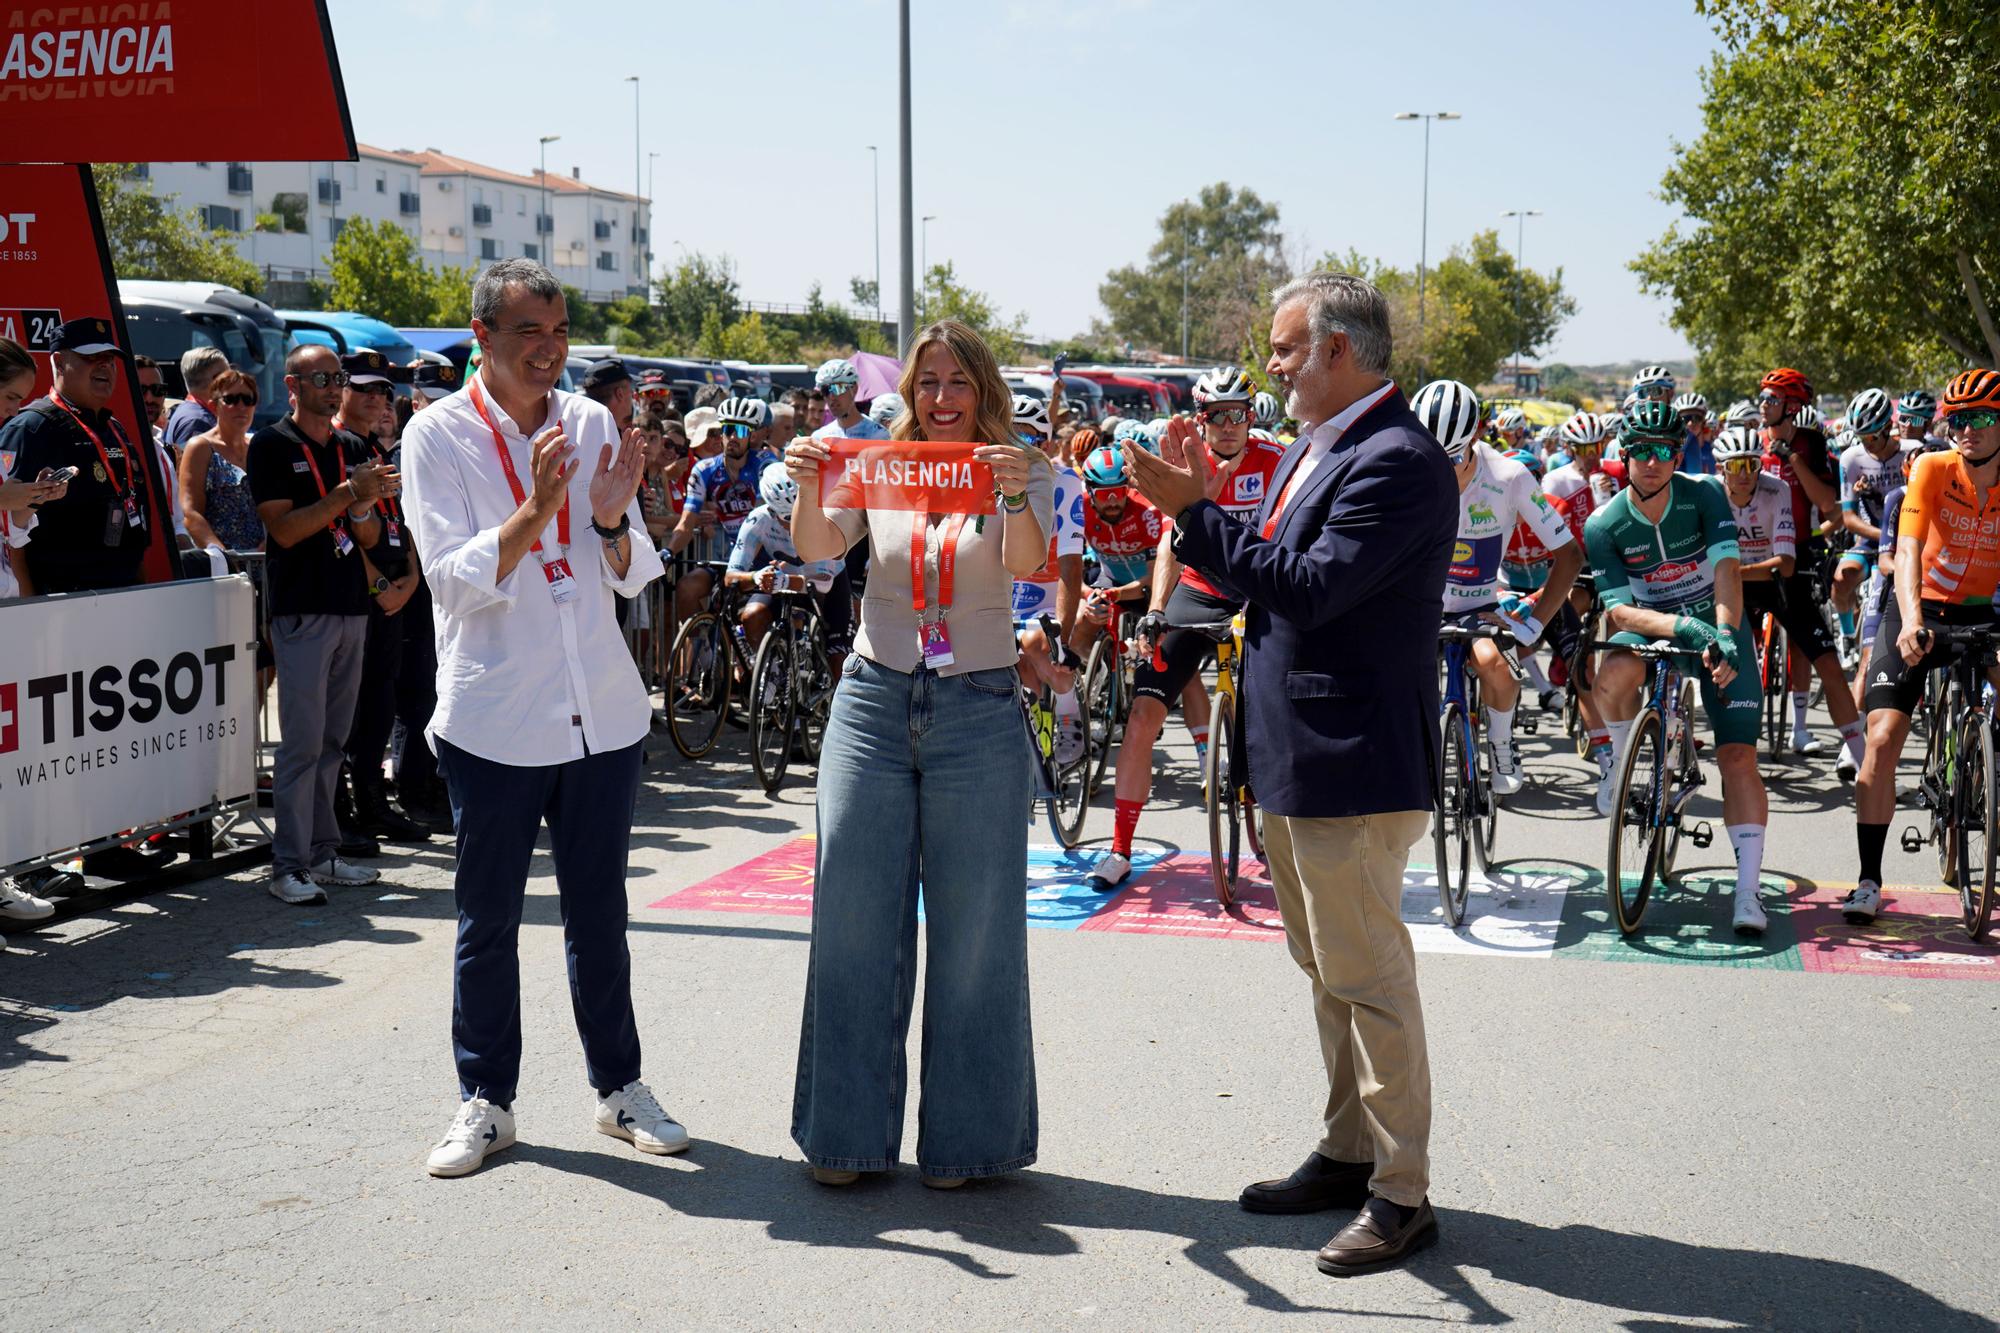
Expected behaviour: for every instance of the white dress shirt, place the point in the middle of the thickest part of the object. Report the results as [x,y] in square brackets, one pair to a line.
[1327,434]
[521,680]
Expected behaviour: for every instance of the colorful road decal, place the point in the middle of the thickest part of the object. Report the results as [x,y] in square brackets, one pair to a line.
[1527,909]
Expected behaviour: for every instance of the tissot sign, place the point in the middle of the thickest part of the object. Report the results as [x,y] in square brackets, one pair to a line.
[250,80]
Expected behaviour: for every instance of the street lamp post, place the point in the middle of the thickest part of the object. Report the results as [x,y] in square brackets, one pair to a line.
[1184,281]
[906,321]
[652,165]
[633,79]
[1424,235]
[1520,216]
[875,167]
[928,219]
[547,248]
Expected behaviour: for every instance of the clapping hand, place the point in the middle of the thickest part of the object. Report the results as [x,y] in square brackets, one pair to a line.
[1179,478]
[374,481]
[553,463]
[614,483]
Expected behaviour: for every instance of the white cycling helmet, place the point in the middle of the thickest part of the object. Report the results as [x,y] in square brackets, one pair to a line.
[1738,442]
[1451,413]
[1259,433]
[1809,418]
[1224,384]
[1512,418]
[1691,402]
[752,412]
[1582,429]
[1870,412]
[1264,410]
[1653,377]
[1031,413]
[1742,412]
[778,491]
[885,409]
[837,374]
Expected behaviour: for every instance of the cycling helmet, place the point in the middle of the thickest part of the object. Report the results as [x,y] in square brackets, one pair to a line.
[1870,412]
[751,412]
[1917,405]
[1808,418]
[1652,421]
[1031,413]
[1652,377]
[1156,430]
[1512,418]
[1224,384]
[1691,402]
[1628,402]
[1560,458]
[1788,384]
[1105,466]
[1543,435]
[1527,459]
[1450,412]
[1264,410]
[885,409]
[1742,412]
[1583,428]
[835,375]
[1738,442]
[779,492]
[1972,389]
[1133,433]
[1613,422]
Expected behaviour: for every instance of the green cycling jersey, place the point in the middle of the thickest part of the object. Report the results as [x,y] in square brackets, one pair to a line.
[1668,566]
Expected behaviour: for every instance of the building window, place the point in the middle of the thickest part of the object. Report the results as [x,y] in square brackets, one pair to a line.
[334,227]
[607,261]
[489,248]
[221,217]
[529,250]
[381,183]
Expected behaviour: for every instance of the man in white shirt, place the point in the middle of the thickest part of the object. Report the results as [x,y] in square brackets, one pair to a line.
[528,525]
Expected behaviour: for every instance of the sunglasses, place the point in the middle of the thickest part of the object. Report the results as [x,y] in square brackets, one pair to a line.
[1029,438]
[736,432]
[238,399]
[379,390]
[153,390]
[324,379]
[1976,419]
[1742,467]
[1651,451]
[1226,416]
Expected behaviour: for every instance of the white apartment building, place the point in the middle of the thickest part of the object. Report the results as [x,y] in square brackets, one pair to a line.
[460,213]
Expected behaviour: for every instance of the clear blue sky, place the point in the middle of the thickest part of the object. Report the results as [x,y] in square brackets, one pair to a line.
[1050,134]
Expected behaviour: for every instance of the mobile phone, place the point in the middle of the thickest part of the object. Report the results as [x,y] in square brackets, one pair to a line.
[59,476]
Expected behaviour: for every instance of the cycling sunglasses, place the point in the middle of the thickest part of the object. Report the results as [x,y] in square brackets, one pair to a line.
[736,432]
[1973,419]
[1651,451]
[238,399]
[1225,416]
[1744,467]
[324,379]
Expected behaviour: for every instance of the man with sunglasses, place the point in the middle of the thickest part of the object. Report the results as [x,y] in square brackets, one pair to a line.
[1668,567]
[1802,460]
[835,383]
[1947,573]
[1182,596]
[725,485]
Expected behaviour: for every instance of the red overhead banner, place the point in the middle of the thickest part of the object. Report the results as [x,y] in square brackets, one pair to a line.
[54,267]
[147,80]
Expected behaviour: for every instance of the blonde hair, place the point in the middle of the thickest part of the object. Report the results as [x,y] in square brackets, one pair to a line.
[993,421]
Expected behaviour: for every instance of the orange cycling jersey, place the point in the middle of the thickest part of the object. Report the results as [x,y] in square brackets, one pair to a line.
[1959,536]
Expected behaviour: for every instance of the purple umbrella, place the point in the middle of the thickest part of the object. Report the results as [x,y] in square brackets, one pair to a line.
[878,375]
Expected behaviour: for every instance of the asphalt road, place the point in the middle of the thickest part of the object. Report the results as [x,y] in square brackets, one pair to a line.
[217,1106]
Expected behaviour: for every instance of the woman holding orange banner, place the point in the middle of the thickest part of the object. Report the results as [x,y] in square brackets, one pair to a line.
[924,775]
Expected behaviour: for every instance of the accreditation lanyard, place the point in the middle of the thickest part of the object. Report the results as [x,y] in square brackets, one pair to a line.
[562,583]
[122,489]
[932,636]
[342,543]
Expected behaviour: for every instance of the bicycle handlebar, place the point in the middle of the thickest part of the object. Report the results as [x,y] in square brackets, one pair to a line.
[1060,652]
[1468,633]
[1659,648]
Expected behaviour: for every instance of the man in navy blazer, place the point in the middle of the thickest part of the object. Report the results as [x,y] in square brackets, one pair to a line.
[1344,570]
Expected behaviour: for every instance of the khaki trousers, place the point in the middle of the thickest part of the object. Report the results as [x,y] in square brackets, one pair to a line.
[1340,890]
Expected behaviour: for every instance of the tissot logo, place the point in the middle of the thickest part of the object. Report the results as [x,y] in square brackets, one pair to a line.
[100,699]
[10,731]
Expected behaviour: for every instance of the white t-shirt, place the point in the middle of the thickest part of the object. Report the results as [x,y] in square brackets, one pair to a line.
[16,536]
[1764,527]
[1500,495]
[1036,592]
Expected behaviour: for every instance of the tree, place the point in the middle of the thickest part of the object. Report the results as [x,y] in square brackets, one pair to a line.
[1233,252]
[374,267]
[944,297]
[1843,198]
[150,238]
[864,292]
[698,285]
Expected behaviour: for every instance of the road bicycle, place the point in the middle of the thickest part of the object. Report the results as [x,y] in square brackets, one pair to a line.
[1234,820]
[1774,662]
[1658,774]
[1958,786]
[1063,789]
[791,689]
[1468,813]
[708,653]
[1107,692]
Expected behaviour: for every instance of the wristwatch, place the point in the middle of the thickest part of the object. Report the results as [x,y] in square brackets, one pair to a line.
[612,534]
[380,586]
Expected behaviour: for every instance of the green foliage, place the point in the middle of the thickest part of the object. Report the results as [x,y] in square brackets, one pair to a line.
[944,297]
[150,238]
[269,222]
[864,292]
[698,287]
[290,209]
[1843,198]
[1233,251]
[374,267]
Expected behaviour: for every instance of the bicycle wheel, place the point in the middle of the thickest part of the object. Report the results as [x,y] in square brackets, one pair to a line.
[1452,821]
[1684,770]
[1219,782]
[772,705]
[1939,773]
[1632,859]
[1100,711]
[815,694]
[1072,799]
[1484,804]
[1975,794]
[697,685]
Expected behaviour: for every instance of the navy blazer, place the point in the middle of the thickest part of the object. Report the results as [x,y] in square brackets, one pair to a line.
[1339,690]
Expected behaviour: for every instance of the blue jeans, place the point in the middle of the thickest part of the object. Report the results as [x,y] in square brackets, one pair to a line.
[922,776]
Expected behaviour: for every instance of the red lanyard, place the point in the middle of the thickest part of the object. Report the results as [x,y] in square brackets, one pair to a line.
[340,456]
[947,564]
[513,479]
[122,488]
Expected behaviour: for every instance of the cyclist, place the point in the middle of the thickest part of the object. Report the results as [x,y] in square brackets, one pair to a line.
[1495,494]
[1698,449]
[1122,532]
[1654,384]
[884,410]
[1870,467]
[1265,413]
[1578,489]
[1055,588]
[1510,429]
[1947,566]
[1181,597]
[837,379]
[1767,553]
[1883,586]
[764,562]
[1795,448]
[1915,411]
[725,486]
[1666,559]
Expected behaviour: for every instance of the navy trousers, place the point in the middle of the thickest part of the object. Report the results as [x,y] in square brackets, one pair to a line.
[498,809]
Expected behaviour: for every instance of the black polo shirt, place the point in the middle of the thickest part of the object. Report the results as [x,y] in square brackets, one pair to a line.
[311,578]
[68,552]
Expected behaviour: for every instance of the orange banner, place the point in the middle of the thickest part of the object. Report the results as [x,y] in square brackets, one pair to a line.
[905,474]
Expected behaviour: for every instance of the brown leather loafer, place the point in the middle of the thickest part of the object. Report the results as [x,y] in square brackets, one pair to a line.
[1378,1238]
[1319,1183]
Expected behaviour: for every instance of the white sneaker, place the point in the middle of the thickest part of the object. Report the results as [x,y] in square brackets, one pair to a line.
[333,870]
[1845,767]
[1506,771]
[1606,780]
[479,1129]
[1601,756]
[17,904]
[634,1114]
[296,888]
[1112,871]
[1805,743]
[1749,919]
[1069,740]
[1863,903]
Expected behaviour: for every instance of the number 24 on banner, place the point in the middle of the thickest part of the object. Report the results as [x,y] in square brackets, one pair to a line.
[913,475]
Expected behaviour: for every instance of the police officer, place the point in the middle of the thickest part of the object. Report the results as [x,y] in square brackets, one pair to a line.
[419,790]
[609,383]
[96,536]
